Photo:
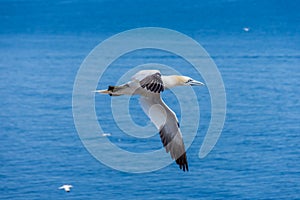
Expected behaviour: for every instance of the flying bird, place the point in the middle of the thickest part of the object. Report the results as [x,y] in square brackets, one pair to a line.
[67,188]
[106,134]
[149,84]
[246,29]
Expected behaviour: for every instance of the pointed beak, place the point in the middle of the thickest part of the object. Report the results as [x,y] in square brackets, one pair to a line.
[196,83]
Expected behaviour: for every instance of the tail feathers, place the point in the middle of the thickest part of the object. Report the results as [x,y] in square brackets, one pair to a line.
[110,91]
[111,88]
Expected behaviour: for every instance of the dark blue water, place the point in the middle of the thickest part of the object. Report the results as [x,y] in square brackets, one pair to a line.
[43,44]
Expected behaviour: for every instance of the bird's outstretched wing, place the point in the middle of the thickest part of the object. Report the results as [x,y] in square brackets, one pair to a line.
[144,82]
[149,80]
[166,122]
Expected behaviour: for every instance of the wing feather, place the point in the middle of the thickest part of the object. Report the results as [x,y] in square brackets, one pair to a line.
[166,122]
[150,80]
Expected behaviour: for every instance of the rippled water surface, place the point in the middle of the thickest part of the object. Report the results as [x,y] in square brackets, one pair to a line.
[42,46]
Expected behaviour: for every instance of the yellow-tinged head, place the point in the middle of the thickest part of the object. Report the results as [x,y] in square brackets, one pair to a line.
[185,80]
[172,81]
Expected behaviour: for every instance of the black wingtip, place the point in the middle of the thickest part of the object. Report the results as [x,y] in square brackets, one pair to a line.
[182,162]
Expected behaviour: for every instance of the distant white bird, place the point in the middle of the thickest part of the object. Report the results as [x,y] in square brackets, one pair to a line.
[67,188]
[149,84]
[106,134]
[246,29]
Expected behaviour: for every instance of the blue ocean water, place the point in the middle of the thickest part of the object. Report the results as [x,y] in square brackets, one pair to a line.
[42,46]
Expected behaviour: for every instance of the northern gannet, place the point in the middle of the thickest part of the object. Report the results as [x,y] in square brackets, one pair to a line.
[246,29]
[149,84]
[106,134]
[67,188]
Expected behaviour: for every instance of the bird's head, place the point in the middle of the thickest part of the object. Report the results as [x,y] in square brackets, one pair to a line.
[175,80]
[185,80]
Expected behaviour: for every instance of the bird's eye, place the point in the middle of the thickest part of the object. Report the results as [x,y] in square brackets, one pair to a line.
[189,80]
